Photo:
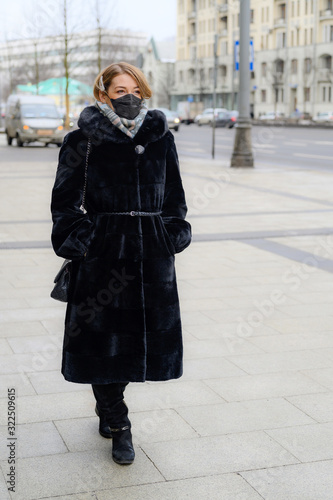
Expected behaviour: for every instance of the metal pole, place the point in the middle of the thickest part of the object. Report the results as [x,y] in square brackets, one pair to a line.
[242,154]
[214,95]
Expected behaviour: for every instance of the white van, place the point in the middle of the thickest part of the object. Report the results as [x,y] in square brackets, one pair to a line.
[33,118]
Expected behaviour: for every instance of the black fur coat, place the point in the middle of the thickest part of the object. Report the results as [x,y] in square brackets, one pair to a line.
[123,319]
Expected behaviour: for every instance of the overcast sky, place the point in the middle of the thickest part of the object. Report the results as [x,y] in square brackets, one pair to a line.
[24,18]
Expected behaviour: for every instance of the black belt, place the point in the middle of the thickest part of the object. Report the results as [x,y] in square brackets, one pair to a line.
[132,213]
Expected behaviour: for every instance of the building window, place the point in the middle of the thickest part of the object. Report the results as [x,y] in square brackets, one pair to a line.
[327,62]
[263,69]
[267,14]
[281,40]
[311,35]
[307,94]
[324,94]
[263,95]
[329,94]
[292,38]
[181,6]
[305,37]
[252,16]
[223,70]
[262,14]
[292,9]
[307,65]
[282,95]
[294,66]
[279,66]
[181,77]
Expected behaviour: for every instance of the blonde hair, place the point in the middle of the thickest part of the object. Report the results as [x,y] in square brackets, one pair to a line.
[105,77]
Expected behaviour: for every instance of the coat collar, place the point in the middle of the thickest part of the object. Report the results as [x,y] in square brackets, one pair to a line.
[94,124]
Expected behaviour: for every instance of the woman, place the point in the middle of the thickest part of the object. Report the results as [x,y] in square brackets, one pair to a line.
[123,321]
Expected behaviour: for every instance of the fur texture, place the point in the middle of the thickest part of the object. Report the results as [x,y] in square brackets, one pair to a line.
[123,319]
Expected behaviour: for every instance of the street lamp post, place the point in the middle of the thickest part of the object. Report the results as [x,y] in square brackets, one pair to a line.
[242,153]
[214,94]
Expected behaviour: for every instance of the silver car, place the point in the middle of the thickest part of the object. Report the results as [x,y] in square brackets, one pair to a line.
[33,118]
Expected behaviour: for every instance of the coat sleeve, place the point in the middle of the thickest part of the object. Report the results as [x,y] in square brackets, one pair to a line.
[174,205]
[72,230]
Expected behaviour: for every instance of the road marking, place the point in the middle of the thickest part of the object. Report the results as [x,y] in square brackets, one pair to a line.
[324,143]
[316,157]
[259,145]
[298,144]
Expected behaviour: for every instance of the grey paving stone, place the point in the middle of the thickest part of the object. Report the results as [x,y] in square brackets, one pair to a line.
[222,487]
[322,376]
[152,396]
[51,382]
[31,314]
[311,481]
[4,494]
[73,473]
[302,325]
[226,330]
[294,342]
[152,426]
[20,382]
[199,369]
[12,303]
[5,347]
[18,329]
[277,362]
[54,326]
[34,440]
[212,348]
[46,407]
[243,416]
[309,443]
[207,456]
[195,318]
[317,406]
[30,362]
[267,385]
[26,344]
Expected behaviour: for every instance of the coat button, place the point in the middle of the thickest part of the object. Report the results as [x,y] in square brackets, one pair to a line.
[139,149]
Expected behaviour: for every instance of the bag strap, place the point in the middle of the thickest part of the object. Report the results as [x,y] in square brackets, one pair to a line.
[82,207]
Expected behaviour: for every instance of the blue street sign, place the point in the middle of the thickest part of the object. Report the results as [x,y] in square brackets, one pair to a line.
[190,98]
[251,55]
[237,55]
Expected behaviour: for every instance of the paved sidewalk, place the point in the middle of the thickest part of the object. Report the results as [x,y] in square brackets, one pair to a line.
[252,417]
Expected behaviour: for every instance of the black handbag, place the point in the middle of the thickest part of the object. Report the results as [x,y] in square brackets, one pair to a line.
[63,277]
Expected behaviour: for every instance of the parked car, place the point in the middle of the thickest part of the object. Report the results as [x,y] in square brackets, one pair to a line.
[326,116]
[225,119]
[172,118]
[33,118]
[206,117]
[272,115]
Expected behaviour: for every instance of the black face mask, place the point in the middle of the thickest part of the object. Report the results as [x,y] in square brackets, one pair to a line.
[127,106]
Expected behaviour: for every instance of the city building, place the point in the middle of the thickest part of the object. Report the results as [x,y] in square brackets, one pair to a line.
[157,61]
[87,51]
[293,49]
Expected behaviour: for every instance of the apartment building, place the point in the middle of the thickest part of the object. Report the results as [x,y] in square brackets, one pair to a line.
[18,57]
[293,49]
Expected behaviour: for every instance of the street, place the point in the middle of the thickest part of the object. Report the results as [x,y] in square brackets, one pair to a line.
[256,294]
[285,147]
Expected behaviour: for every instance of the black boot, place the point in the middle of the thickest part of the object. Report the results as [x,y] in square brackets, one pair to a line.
[104,428]
[113,412]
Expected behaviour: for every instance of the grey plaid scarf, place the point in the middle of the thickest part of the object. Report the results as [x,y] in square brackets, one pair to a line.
[129,127]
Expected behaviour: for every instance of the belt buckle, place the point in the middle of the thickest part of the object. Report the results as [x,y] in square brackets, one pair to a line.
[132,213]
